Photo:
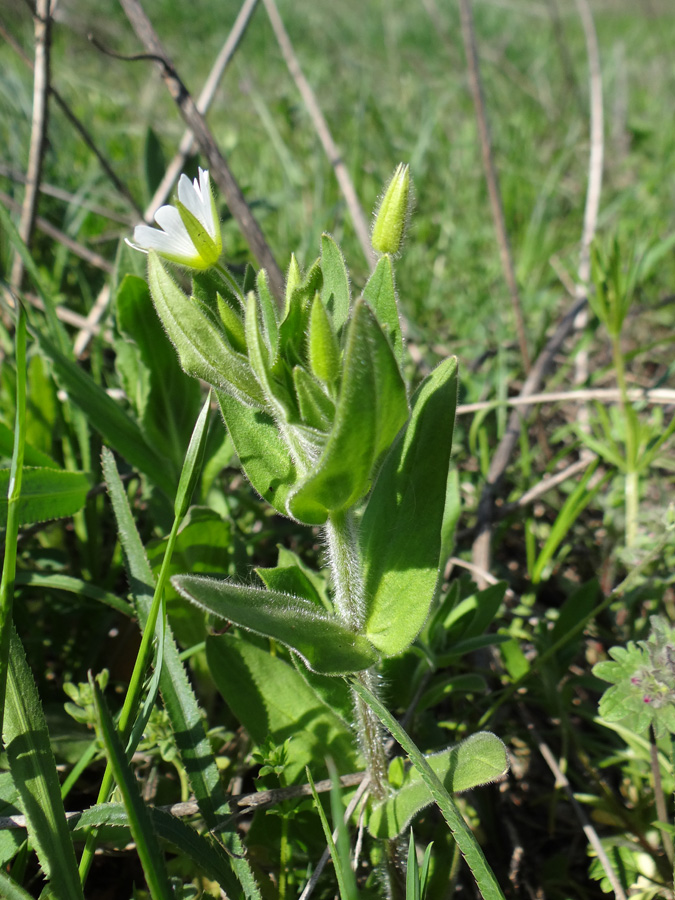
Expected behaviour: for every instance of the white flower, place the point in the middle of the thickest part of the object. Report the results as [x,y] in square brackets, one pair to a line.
[190,234]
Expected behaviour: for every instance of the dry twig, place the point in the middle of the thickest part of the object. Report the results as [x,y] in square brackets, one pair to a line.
[38,137]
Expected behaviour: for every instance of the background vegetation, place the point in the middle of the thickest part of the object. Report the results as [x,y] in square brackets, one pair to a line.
[391,78]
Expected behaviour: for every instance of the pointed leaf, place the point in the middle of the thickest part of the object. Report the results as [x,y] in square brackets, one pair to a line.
[33,769]
[380,293]
[324,643]
[316,408]
[371,409]
[335,292]
[147,845]
[401,527]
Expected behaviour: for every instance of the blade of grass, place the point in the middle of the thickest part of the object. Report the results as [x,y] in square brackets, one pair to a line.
[140,823]
[13,499]
[33,769]
[467,843]
[343,870]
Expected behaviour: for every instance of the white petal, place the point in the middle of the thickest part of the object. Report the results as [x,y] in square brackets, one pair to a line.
[147,238]
[210,215]
[168,218]
[191,198]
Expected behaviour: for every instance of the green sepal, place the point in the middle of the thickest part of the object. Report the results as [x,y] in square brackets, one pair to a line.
[262,453]
[268,310]
[380,293]
[371,409]
[201,349]
[324,644]
[401,527]
[478,760]
[293,280]
[324,352]
[209,250]
[316,408]
[232,325]
[335,291]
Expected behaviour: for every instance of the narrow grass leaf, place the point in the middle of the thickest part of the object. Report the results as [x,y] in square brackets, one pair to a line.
[467,843]
[143,833]
[179,699]
[33,769]
[74,586]
[346,884]
[412,877]
[45,494]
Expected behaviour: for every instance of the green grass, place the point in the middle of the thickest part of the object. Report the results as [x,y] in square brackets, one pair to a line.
[392,87]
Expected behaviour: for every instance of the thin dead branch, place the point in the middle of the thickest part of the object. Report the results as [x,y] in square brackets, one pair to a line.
[38,137]
[491,176]
[323,131]
[218,166]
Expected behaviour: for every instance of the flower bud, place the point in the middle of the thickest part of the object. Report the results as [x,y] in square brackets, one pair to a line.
[392,213]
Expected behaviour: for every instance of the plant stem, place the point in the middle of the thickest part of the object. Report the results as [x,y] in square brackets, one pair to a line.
[659,796]
[132,699]
[13,497]
[632,488]
[345,564]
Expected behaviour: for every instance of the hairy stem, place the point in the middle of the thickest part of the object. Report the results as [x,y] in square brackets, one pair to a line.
[350,602]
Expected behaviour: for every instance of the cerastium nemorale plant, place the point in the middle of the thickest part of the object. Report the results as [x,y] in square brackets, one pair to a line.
[314,397]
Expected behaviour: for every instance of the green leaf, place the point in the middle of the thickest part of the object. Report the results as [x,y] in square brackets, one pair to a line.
[371,409]
[335,291]
[401,527]
[268,310]
[272,700]
[324,643]
[168,407]
[479,759]
[380,294]
[262,453]
[33,769]
[106,417]
[45,494]
[339,854]
[289,580]
[200,346]
[466,841]
[140,823]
